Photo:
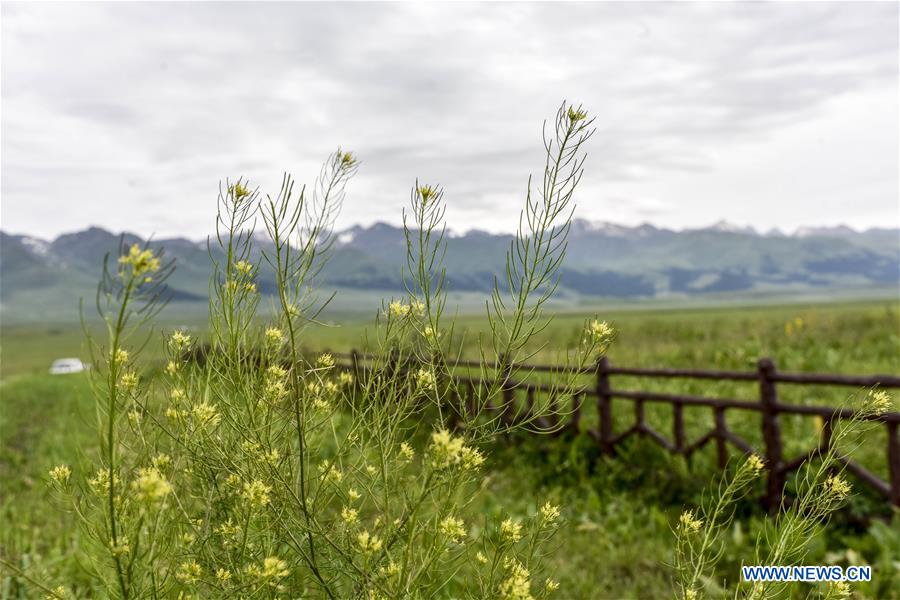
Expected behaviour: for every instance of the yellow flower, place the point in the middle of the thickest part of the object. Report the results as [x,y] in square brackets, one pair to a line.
[425,379]
[353,494]
[189,572]
[511,530]
[345,378]
[481,558]
[453,528]
[878,402]
[689,522]
[129,381]
[406,451]
[274,336]
[840,589]
[368,543]
[430,334]
[161,461]
[325,361]
[179,340]
[600,333]
[60,474]
[243,267]
[398,309]
[256,493]
[756,464]
[549,513]
[238,190]
[205,414]
[447,451]
[347,159]
[171,367]
[272,568]
[250,287]
[427,193]
[349,515]
[837,486]
[223,575]
[517,585]
[550,585]
[150,487]
[121,356]
[141,262]
[417,307]
[576,114]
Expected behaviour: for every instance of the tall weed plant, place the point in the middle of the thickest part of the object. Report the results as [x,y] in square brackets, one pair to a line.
[263,472]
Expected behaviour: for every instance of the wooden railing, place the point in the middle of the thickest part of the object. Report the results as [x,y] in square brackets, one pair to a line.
[766,376]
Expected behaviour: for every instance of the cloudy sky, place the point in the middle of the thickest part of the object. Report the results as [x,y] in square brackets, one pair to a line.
[771,115]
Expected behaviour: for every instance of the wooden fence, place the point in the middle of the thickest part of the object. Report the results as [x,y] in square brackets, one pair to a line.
[767,378]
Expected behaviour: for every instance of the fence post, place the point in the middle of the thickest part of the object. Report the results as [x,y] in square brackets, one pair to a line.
[771,430]
[894,461]
[604,406]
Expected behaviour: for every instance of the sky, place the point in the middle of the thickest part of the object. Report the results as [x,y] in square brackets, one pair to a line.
[128,115]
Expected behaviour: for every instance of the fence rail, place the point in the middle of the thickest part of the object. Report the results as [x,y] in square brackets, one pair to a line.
[766,376]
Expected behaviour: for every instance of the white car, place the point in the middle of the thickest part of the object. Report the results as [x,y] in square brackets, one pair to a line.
[62,366]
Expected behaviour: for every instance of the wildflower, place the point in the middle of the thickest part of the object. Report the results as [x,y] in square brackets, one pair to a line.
[233,480]
[353,494]
[511,530]
[756,464]
[837,486]
[345,378]
[59,592]
[347,159]
[120,356]
[223,575]
[60,474]
[228,529]
[141,262]
[430,334]
[150,487]
[189,572]
[275,388]
[238,190]
[447,451]
[840,589]
[325,361]
[206,414]
[134,417]
[689,522]
[371,470]
[349,516]
[600,333]
[549,513]
[250,287]
[161,461]
[256,493]
[417,307]
[517,585]
[272,568]
[120,548]
[179,340]
[171,367]
[100,481]
[274,336]
[425,379]
[173,413]
[177,395]
[453,528]
[690,594]
[188,538]
[330,473]
[550,585]
[878,402]
[128,381]
[398,309]
[368,543]
[406,451]
[576,114]
[243,267]
[427,193]
[481,558]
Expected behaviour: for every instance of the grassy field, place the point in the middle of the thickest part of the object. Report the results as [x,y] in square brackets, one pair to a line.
[617,540]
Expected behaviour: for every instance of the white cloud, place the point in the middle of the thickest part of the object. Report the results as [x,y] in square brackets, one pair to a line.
[128,115]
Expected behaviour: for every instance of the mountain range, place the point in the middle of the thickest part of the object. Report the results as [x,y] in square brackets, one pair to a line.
[43,279]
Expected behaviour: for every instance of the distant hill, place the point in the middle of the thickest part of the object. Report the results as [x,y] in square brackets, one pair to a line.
[42,279]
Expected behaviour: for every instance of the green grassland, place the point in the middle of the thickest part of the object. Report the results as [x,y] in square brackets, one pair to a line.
[617,539]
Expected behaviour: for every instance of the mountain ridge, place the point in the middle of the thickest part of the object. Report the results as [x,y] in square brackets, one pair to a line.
[604,260]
